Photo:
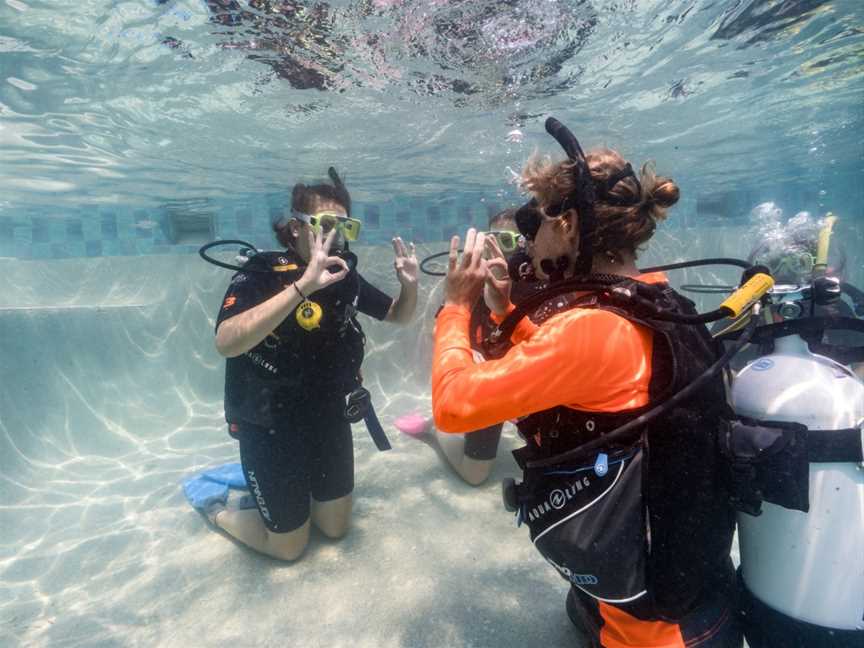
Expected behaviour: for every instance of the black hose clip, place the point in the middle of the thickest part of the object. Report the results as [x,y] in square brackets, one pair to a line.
[826,290]
[510,494]
[358,407]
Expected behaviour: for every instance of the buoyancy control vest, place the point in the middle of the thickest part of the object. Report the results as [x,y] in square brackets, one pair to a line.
[644,523]
[293,363]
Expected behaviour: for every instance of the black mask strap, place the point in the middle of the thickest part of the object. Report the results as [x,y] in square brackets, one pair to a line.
[605,189]
[528,219]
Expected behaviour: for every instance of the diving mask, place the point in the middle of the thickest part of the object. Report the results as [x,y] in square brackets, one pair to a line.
[797,264]
[508,240]
[325,221]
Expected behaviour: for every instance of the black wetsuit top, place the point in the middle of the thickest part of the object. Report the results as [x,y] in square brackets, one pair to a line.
[293,364]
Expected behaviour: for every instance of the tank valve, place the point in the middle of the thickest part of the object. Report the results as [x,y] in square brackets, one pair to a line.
[789,310]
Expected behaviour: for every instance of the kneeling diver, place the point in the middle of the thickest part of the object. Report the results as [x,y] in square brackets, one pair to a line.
[626,500]
[288,327]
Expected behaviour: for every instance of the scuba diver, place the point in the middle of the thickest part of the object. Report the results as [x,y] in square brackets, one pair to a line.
[795,450]
[789,250]
[288,328]
[626,500]
[472,455]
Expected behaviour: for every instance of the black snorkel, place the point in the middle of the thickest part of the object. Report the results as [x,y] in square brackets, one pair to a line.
[582,198]
[528,217]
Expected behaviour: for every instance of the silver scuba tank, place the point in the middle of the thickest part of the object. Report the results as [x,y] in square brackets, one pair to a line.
[807,566]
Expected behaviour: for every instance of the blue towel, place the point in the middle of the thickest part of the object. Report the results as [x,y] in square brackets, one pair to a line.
[211,486]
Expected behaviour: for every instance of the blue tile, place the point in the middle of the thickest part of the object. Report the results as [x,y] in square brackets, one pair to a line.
[372,216]
[8,249]
[433,215]
[74,230]
[127,247]
[7,229]
[162,229]
[41,230]
[403,218]
[42,251]
[146,223]
[23,234]
[111,248]
[57,228]
[226,231]
[60,251]
[109,226]
[91,229]
[93,248]
[126,227]
[244,221]
[24,251]
[75,248]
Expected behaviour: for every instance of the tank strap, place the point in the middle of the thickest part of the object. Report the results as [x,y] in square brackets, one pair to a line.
[835,446]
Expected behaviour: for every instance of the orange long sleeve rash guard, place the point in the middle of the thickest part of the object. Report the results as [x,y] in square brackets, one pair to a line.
[586,359]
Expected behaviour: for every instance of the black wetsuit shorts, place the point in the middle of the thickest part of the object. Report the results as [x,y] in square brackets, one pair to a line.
[309,454]
[482,445]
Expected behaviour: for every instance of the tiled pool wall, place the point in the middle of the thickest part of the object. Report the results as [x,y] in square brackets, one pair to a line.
[182,227]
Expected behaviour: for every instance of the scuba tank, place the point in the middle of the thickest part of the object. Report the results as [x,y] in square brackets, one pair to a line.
[798,479]
[807,566]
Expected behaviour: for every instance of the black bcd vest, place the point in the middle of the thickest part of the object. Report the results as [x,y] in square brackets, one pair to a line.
[292,364]
[644,523]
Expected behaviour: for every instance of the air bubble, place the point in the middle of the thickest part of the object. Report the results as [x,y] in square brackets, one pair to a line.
[515,136]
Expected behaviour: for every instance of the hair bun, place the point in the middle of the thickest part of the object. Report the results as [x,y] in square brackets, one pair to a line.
[664,194]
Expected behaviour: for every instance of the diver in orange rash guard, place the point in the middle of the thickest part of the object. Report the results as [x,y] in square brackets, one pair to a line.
[643,536]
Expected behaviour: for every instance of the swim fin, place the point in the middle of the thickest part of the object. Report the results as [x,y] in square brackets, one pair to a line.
[203,493]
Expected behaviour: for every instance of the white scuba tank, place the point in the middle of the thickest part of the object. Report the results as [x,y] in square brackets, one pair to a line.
[808,566]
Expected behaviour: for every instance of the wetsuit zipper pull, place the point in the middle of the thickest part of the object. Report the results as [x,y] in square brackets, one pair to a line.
[601,466]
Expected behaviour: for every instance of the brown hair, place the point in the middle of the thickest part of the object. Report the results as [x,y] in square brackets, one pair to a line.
[502,216]
[306,198]
[626,217]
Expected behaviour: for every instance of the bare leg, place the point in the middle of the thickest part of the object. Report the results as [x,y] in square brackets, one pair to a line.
[472,471]
[451,449]
[332,517]
[247,526]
